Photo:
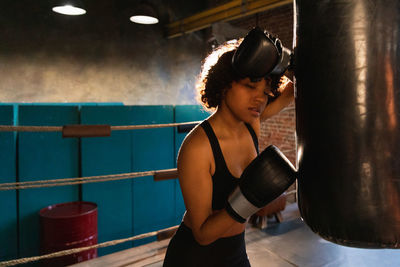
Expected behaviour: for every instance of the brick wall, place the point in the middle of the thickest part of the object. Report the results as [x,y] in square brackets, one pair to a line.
[280,129]
[278,21]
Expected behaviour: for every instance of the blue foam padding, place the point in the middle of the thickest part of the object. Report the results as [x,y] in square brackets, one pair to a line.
[8,199]
[44,155]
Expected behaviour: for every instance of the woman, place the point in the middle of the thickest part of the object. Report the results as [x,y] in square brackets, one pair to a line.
[213,157]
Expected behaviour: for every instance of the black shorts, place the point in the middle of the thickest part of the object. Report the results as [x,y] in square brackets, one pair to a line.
[184,251]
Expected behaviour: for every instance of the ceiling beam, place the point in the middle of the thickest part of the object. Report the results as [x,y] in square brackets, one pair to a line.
[232,10]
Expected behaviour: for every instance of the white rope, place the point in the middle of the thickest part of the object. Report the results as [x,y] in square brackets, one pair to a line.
[77,250]
[77,180]
[9,128]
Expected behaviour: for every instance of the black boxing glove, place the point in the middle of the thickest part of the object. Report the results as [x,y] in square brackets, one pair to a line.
[284,60]
[260,55]
[266,178]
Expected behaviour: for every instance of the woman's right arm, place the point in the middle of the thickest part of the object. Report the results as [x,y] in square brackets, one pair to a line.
[194,171]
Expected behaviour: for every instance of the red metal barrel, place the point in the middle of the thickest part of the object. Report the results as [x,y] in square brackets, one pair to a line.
[68,225]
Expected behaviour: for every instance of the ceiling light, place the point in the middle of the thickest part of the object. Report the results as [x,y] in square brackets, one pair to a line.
[144,19]
[144,14]
[72,8]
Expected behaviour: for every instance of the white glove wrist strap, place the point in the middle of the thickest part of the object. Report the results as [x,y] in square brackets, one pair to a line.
[241,205]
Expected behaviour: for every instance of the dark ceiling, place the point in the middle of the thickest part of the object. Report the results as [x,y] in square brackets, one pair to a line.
[102,17]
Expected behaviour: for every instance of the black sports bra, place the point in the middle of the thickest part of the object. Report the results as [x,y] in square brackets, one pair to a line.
[223,181]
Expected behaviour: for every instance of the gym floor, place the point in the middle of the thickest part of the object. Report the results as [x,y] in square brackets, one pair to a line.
[289,243]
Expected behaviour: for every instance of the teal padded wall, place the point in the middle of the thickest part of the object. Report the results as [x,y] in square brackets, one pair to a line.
[184,113]
[129,207]
[153,149]
[42,156]
[8,199]
[103,156]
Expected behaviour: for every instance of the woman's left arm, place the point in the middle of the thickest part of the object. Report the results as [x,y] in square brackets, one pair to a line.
[286,97]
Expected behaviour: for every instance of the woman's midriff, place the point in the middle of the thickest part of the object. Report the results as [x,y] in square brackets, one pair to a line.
[235,230]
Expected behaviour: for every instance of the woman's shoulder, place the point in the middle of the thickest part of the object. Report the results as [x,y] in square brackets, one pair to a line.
[195,139]
[195,146]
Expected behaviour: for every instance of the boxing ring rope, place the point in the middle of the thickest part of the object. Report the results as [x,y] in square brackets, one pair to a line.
[160,234]
[82,130]
[158,175]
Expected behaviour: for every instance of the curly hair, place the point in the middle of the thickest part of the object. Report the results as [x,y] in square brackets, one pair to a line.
[217,75]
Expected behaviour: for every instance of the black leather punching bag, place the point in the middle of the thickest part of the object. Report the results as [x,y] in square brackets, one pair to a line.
[347,70]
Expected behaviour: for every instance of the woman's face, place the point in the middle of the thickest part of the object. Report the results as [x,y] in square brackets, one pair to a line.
[247,100]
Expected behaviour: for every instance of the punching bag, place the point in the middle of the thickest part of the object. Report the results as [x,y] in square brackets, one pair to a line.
[348,120]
